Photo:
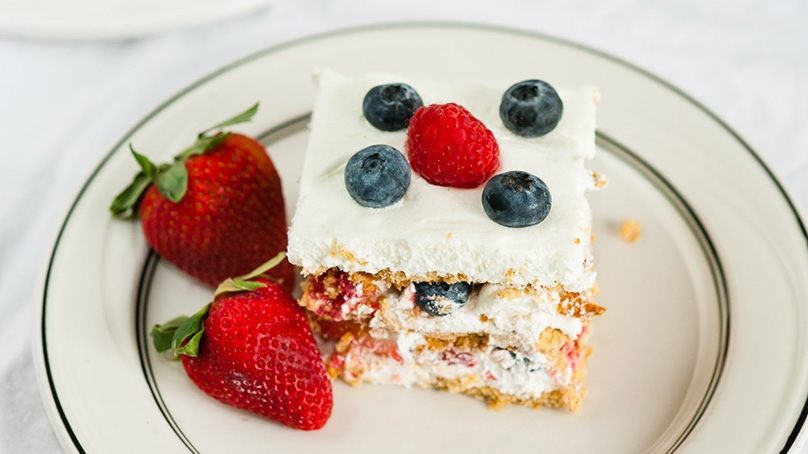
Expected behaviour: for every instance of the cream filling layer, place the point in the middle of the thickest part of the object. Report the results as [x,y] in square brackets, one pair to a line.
[511,317]
[515,374]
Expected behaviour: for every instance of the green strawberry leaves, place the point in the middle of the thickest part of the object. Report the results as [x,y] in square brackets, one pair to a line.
[202,144]
[182,335]
[123,206]
[163,335]
[171,179]
[246,283]
[243,117]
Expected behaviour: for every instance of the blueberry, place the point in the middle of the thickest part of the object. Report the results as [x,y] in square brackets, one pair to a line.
[377,176]
[390,107]
[441,298]
[516,199]
[531,108]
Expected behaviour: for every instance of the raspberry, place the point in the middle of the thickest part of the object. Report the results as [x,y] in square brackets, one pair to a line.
[448,146]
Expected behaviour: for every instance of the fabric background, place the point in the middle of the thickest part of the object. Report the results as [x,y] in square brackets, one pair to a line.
[64,104]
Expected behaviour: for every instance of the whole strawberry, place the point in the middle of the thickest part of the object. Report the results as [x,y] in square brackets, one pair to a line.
[448,146]
[216,211]
[252,348]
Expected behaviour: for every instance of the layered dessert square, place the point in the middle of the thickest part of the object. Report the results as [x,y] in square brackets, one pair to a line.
[429,289]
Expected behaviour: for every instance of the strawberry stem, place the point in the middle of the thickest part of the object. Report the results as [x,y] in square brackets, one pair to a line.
[245,282]
[186,338]
[123,206]
[202,144]
[149,169]
[243,117]
[171,179]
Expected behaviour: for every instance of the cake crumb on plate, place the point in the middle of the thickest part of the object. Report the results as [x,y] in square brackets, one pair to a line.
[630,230]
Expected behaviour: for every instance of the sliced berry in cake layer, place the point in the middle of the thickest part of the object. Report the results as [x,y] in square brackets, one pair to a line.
[389,107]
[531,108]
[448,146]
[440,298]
[516,199]
[377,176]
[333,295]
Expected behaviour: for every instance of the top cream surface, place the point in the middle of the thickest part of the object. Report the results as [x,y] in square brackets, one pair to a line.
[435,229]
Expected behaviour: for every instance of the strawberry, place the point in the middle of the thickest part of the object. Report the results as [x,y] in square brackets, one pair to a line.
[216,211]
[252,348]
[448,146]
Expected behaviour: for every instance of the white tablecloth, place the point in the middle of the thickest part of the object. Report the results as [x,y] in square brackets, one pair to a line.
[64,104]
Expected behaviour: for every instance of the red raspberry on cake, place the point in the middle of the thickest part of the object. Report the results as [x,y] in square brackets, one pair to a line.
[448,146]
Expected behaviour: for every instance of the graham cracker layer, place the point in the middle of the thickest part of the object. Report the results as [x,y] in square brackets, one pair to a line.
[333,284]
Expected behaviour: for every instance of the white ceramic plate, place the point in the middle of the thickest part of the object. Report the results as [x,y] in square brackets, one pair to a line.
[701,349]
[106,19]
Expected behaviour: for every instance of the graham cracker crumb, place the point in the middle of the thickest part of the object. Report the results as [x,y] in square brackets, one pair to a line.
[344,343]
[630,230]
[369,287]
[510,293]
[577,304]
[599,180]
[348,255]
[400,280]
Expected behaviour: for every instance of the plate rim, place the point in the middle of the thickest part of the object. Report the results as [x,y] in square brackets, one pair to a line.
[46,383]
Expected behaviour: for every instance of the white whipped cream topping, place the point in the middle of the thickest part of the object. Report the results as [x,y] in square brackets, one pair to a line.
[439,229]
